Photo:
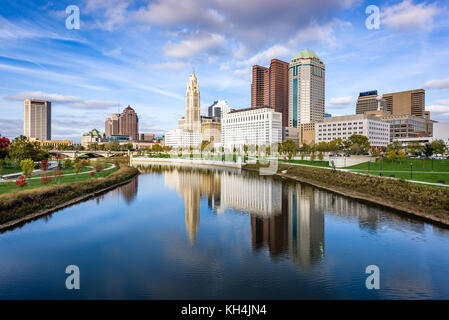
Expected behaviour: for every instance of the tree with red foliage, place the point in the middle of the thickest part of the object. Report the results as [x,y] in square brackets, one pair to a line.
[44,165]
[4,147]
[21,182]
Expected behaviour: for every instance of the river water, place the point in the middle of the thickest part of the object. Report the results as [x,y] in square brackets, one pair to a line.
[180,233]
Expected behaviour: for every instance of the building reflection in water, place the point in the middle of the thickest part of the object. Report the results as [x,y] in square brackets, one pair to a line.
[287,219]
[127,191]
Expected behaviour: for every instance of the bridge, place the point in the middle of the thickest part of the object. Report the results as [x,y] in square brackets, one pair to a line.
[93,153]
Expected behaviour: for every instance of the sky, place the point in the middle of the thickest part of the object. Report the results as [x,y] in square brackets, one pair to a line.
[141,53]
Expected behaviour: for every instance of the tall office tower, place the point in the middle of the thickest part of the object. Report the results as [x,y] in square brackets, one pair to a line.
[259,86]
[218,109]
[37,119]
[306,78]
[192,119]
[129,123]
[406,102]
[111,125]
[370,101]
[269,87]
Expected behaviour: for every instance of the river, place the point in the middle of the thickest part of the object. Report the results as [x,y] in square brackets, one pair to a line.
[183,233]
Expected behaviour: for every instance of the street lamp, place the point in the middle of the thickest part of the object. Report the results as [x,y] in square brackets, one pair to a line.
[411,170]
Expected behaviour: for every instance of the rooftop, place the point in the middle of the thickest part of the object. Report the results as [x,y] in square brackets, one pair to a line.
[307,53]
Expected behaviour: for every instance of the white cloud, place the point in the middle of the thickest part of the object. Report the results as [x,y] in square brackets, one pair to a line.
[70,101]
[114,12]
[197,43]
[408,16]
[340,103]
[437,84]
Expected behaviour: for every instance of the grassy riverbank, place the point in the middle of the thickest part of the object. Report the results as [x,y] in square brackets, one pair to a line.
[19,205]
[68,176]
[420,200]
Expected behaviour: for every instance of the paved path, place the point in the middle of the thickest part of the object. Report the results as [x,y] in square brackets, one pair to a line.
[71,174]
[366,174]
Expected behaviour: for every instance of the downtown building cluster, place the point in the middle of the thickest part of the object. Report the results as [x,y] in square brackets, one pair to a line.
[287,103]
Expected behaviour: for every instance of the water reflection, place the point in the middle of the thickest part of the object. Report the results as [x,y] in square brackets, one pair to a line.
[287,219]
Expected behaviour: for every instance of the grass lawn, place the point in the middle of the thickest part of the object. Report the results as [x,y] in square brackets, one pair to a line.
[310,163]
[9,186]
[418,165]
[422,169]
[9,169]
[426,177]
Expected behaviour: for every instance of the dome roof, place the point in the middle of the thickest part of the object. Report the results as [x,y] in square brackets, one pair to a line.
[307,53]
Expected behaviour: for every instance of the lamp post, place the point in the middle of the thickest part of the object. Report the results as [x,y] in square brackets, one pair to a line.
[411,170]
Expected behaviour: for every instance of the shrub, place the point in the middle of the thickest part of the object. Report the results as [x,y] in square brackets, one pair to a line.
[45,179]
[67,164]
[21,182]
[27,167]
[92,173]
[98,166]
[44,165]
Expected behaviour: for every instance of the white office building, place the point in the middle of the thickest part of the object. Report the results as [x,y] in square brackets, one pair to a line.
[377,131]
[37,119]
[182,138]
[260,126]
[441,131]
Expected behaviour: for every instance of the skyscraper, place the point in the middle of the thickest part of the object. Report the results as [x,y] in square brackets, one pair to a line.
[111,126]
[218,109]
[192,119]
[37,119]
[269,87]
[306,80]
[129,123]
[406,102]
[369,101]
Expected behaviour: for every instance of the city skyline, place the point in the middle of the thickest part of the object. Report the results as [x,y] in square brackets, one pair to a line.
[91,72]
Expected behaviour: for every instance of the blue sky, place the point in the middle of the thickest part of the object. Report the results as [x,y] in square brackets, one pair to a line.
[140,53]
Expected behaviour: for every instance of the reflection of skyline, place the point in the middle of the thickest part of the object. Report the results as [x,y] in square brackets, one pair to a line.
[128,191]
[286,219]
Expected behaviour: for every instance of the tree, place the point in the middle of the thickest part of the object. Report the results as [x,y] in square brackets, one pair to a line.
[336,145]
[438,146]
[322,146]
[320,156]
[156,148]
[396,146]
[362,142]
[27,166]
[312,157]
[391,155]
[289,146]
[112,146]
[401,156]
[67,164]
[415,148]
[77,168]
[21,148]
[355,149]
[375,152]
[4,147]
[428,150]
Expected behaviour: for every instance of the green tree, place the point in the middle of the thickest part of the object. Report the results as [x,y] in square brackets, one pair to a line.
[21,148]
[289,146]
[336,145]
[77,168]
[322,146]
[391,155]
[428,150]
[415,148]
[312,157]
[27,166]
[401,156]
[362,142]
[112,146]
[375,152]
[396,146]
[320,156]
[67,164]
[439,147]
